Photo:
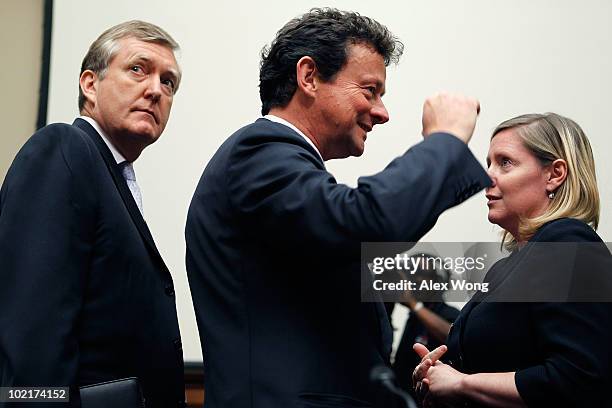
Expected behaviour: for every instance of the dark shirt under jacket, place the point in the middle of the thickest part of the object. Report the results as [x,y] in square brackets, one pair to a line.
[560,351]
[273,251]
[85,296]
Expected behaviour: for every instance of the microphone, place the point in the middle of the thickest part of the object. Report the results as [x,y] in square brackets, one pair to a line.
[385,377]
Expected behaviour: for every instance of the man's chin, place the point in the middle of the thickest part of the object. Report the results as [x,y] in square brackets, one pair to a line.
[145,132]
[358,151]
[357,148]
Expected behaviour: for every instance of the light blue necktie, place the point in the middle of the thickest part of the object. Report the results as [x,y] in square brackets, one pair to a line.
[130,177]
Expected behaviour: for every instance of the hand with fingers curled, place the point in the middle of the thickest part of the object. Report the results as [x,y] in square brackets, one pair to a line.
[443,384]
[428,360]
[451,113]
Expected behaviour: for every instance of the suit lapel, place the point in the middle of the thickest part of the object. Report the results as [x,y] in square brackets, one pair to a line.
[123,189]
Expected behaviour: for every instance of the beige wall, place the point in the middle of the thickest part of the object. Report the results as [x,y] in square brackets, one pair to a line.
[21,31]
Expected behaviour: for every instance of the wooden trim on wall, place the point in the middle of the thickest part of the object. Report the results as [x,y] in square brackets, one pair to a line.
[43,93]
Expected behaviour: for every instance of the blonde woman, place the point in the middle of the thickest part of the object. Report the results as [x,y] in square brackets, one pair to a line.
[532,353]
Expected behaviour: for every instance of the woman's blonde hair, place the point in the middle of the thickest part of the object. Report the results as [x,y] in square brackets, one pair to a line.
[550,137]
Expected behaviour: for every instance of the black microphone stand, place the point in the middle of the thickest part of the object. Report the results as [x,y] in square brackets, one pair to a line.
[385,377]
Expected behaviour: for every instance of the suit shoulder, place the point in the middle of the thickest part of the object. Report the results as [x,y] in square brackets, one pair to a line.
[59,134]
[265,131]
[57,131]
[267,139]
[57,141]
[566,230]
[260,126]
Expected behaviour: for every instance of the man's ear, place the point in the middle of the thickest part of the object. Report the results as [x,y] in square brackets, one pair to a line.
[89,85]
[307,76]
[557,174]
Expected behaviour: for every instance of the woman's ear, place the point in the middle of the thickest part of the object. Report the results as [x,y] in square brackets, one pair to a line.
[557,175]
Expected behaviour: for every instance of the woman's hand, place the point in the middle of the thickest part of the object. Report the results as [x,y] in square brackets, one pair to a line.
[423,352]
[428,359]
[444,384]
[447,386]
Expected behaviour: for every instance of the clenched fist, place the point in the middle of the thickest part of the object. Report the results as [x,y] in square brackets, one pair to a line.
[454,114]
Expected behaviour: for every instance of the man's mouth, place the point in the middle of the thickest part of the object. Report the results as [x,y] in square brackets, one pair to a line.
[150,112]
[365,127]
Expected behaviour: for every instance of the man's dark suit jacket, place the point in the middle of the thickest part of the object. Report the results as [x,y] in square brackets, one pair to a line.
[85,295]
[273,251]
[560,351]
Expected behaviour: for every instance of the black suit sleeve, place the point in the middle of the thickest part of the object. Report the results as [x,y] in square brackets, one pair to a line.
[279,190]
[447,312]
[46,233]
[574,338]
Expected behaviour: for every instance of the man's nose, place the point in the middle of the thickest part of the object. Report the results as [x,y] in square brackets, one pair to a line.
[379,113]
[154,89]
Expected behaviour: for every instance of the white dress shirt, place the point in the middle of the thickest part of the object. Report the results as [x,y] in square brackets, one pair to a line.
[127,168]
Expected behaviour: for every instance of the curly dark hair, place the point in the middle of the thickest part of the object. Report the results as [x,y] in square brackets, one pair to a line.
[324,34]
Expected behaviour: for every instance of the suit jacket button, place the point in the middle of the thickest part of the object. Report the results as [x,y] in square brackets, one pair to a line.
[169,290]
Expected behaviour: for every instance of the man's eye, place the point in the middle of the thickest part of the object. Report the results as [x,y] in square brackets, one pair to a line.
[136,68]
[506,162]
[371,90]
[169,83]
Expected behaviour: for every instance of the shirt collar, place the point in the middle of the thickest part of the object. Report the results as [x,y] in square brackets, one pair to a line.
[282,121]
[116,155]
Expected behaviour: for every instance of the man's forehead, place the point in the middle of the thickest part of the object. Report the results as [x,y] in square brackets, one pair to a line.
[367,60]
[362,50]
[366,67]
[134,49]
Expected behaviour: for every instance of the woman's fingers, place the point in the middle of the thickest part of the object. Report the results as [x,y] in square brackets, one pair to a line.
[420,371]
[424,352]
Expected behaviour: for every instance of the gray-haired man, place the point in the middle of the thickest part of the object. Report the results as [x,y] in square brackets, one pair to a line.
[85,295]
